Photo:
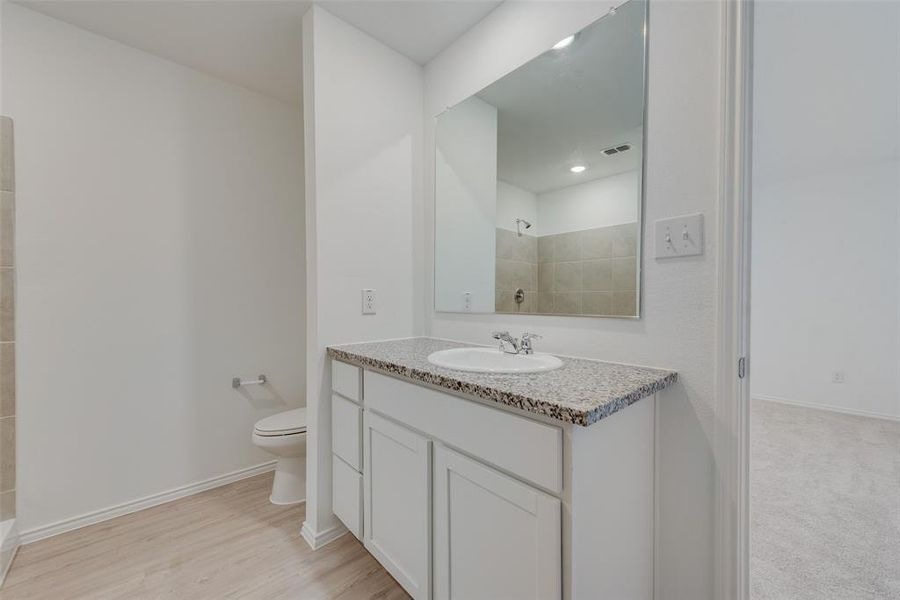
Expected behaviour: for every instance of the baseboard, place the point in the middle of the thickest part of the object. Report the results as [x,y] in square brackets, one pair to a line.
[92,518]
[827,407]
[322,538]
[9,545]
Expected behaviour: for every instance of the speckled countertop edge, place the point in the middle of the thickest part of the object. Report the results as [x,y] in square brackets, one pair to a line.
[581,392]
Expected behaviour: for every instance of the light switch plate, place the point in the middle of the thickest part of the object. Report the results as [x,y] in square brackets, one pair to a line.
[679,236]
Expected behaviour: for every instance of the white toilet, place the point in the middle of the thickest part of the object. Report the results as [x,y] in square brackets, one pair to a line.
[284,435]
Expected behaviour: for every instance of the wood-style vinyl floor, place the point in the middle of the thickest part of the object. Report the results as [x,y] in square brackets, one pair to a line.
[229,542]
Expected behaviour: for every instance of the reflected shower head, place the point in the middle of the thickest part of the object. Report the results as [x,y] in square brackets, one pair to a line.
[520,222]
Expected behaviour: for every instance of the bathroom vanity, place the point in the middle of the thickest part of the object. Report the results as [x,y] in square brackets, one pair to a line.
[478,485]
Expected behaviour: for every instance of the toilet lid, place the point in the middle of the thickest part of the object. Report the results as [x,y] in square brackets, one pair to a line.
[283,423]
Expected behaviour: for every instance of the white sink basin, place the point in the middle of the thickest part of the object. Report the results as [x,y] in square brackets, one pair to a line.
[492,360]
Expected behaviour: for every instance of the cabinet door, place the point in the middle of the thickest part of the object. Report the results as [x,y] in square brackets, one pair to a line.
[397,519]
[495,538]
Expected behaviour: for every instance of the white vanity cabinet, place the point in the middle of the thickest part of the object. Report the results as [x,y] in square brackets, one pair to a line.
[494,537]
[346,446]
[397,499]
[459,499]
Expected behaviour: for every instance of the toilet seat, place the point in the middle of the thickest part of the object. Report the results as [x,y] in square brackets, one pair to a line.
[289,422]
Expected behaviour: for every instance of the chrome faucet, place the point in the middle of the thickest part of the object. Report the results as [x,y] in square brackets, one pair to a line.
[505,338]
[525,346]
[522,346]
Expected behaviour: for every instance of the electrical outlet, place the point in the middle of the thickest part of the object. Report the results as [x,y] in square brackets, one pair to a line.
[368,302]
[467,301]
[837,377]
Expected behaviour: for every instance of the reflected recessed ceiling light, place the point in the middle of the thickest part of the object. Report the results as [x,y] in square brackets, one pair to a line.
[563,42]
[578,168]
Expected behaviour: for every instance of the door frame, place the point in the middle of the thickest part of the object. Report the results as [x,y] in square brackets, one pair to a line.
[732,428]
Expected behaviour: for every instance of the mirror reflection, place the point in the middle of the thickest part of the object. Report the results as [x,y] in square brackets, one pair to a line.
[538,181]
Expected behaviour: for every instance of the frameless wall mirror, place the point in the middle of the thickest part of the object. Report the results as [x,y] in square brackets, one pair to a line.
[538,181]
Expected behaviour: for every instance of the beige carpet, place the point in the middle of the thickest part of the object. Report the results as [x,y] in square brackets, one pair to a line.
[824,505]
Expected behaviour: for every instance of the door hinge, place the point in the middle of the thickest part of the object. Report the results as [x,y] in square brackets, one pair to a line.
[742,367]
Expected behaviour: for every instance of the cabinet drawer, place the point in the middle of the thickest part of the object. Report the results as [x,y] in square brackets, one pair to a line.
[527,448]
[346,380]
[346,491]
[346,431]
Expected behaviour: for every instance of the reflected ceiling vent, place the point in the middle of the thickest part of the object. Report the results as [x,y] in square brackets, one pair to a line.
[617,149]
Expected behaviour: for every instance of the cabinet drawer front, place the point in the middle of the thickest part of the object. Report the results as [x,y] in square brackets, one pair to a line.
[346,431]
[346,380]
[494,536]
[526,448]
[346,489]
[397,484]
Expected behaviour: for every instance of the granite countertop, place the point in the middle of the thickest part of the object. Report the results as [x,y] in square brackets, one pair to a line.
[582,391]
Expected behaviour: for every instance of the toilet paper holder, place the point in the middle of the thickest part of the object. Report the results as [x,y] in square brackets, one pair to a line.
[237,382]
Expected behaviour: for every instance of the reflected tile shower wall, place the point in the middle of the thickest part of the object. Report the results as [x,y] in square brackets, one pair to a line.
[7,324]
[589,272]
[517,269]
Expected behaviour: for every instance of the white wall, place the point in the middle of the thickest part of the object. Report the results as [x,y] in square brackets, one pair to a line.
[466,184]
[679,297]
[160,224]
[826,205]
[513,202]
[363,117]
[605,202]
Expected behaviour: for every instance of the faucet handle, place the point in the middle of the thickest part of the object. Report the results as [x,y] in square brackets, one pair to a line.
[526,342]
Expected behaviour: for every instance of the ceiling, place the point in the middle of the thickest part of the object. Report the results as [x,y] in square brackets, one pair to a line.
[418,29]
[566,106]
[257,43]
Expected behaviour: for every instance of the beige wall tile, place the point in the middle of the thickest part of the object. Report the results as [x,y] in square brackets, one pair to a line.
[567,277]
[7,454]
[511,274]
[567,303]
[503,301]
[7,305]
[597,243]
[624,273]
[7,156]
[567,247]
[596,275]
[624,239]
[7,505]
[504,274]
[596,262]
[545,302]
[524,276]
[596,303]
[505,240]
[545,249]
[525,248]
[7,379]
[7,229]
[545,277]
[624,304]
